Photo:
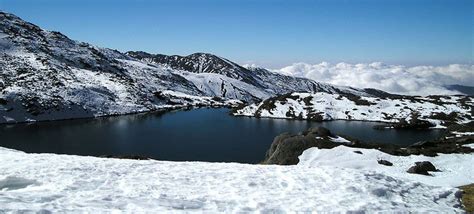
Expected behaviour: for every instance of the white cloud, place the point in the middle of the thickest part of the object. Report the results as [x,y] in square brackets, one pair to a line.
[418,80]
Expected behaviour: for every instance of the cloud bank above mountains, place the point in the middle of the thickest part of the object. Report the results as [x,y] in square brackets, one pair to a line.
[418,80]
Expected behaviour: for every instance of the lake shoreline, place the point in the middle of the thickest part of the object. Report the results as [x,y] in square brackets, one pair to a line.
[163,110]
[160,135]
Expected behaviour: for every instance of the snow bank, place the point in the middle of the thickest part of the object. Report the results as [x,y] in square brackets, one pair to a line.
[456,169]
[339,139]
[49,182]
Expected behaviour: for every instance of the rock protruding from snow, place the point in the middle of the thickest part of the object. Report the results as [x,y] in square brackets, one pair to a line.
[384,162]
[422,168]
[454,170]
[286,147]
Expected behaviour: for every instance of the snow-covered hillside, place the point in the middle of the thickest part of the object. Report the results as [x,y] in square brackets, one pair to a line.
[65,183]
[324,106]
[46,76]
[268,82]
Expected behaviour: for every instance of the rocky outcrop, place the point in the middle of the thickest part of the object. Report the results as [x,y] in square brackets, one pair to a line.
[286,148]
[468,197]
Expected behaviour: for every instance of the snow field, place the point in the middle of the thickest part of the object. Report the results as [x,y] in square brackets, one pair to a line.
[62,183]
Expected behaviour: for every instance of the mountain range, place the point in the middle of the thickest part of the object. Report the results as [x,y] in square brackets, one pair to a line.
[47,76]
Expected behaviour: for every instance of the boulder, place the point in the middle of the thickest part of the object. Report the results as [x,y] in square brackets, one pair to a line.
[422,168]
[385,162]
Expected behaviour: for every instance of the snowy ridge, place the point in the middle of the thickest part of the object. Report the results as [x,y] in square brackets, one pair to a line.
[47,76]
[325,106]
[223,86]
[66,183]
[266,81]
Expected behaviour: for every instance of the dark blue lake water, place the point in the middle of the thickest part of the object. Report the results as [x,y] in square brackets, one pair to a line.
[198,135]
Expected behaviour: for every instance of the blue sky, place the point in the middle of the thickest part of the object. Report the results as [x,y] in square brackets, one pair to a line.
[270,33]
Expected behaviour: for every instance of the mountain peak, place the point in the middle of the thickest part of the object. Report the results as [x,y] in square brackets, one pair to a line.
[26,33]
[10,23]
[198,63]
[201,54]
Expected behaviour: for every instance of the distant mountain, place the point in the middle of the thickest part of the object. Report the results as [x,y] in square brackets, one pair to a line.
[469,90]
[199,63]
[47,76]
[270,82]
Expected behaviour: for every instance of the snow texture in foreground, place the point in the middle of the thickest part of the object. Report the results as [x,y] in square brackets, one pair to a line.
[51,182]
[455,169]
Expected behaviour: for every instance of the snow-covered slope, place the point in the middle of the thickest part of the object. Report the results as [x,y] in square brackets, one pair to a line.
[268,82]
[325,106]
[198,63]
[64,183]
[46,76]
[454,169]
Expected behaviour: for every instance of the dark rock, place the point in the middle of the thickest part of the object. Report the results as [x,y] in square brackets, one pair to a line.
[466,127]
[357,99]
[358,152]
[422,168]
[320,131]
[286,148]
[315,116]
[414,123]
[3,101]
[445,117]
[132,157]
[218,99]
[159,95]
[385,162]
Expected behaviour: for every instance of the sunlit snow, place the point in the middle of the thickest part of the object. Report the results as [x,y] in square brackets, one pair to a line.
[49,182]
